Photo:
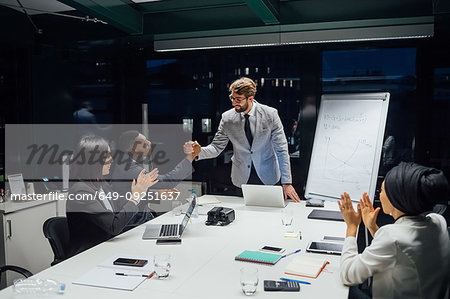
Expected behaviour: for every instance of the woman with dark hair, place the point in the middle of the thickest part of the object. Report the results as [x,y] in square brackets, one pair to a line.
[95,213]
[407,259]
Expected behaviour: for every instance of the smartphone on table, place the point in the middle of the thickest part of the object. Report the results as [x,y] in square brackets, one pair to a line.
[168,241]
[272,249]
[130,262]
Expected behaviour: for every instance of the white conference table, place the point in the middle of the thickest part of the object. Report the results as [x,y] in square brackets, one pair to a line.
[203,266]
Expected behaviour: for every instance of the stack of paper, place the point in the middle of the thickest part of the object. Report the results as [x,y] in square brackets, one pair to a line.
[307,266]
[104,275]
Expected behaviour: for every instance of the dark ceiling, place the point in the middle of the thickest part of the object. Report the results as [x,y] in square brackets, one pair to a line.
[142,21]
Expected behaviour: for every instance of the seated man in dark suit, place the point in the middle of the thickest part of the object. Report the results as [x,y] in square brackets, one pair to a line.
[133,152]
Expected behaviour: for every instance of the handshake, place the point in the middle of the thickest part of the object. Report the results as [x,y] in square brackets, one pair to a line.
[192,149]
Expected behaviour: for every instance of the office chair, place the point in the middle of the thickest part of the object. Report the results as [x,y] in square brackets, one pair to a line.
[17,269]
[56,230]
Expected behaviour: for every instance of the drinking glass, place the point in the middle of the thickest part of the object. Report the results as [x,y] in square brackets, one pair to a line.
[287,216]
[249,280]
[162,266]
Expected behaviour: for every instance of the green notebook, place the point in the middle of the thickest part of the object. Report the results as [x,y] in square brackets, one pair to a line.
[258,257]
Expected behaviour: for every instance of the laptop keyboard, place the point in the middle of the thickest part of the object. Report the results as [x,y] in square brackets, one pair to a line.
[169,230]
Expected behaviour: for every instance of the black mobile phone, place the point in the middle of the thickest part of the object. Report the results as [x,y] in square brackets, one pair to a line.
[325,247]
[130,262]
[168,241]
[272,249]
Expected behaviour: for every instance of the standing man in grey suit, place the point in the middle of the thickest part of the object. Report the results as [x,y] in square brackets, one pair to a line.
[260,147]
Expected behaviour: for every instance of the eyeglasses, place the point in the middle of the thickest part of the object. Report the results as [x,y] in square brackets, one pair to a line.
[109,159]
[235,99]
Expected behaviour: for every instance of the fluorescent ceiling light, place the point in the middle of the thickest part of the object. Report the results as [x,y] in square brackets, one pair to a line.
[288,36]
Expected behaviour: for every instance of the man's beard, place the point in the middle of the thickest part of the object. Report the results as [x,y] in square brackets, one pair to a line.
[242,108]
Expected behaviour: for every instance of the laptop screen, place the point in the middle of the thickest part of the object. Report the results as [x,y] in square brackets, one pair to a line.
[263,195]
[188,215]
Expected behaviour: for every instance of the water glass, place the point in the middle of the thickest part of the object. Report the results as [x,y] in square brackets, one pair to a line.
[249,280]
[162,266]
[287,215]
[176,208]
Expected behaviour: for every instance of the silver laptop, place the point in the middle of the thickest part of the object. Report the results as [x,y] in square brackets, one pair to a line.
[263,195]
[169,231]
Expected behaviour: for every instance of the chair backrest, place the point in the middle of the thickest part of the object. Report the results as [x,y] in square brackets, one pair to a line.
[17,269]
[56,230]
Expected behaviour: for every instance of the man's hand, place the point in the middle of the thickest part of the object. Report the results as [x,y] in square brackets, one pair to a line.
[191,149]
[289,191]
[197,148]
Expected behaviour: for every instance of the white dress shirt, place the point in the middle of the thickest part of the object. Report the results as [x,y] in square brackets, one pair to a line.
[251,119]
[407,259]
[104,199]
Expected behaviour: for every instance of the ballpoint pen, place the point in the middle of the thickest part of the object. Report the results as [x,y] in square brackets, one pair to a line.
[291,253]
[138,275]
[299,281]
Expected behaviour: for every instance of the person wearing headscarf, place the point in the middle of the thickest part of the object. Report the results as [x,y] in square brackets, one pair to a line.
[411,257]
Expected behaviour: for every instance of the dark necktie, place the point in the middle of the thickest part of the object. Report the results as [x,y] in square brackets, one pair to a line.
[247,130]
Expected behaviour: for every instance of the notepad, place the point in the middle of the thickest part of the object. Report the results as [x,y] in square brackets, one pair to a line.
[104,275]
[307,266]
[258,257]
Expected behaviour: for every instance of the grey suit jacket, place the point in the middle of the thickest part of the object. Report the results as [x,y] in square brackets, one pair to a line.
[269,151]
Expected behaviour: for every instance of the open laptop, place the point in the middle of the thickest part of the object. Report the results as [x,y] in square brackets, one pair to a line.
[169,231]
[263,195]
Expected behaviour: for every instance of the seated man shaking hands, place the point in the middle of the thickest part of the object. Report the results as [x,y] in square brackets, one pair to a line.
[407,259]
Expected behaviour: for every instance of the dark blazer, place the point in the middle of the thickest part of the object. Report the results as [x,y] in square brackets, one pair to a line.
[91,223]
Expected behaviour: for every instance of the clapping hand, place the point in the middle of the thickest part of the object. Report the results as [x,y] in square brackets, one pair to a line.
[351,217]
[369,214]
[143,182]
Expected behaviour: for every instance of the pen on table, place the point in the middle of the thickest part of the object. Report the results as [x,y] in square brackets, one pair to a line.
[299,281]
[138,275]
[290,253]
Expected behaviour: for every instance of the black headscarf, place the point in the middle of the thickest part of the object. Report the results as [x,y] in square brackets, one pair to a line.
[414,189]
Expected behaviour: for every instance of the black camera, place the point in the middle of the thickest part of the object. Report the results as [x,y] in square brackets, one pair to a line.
[220,216]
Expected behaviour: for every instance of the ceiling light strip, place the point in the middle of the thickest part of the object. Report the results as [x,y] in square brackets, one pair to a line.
[413,31]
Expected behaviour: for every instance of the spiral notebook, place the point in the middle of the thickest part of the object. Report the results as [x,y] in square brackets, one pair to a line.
[258,257]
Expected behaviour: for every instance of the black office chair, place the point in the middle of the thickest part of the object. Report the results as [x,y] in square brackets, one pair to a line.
[17,269]
[56,230]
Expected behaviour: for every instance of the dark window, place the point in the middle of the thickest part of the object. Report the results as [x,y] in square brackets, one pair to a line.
[379,70]
[440,141]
